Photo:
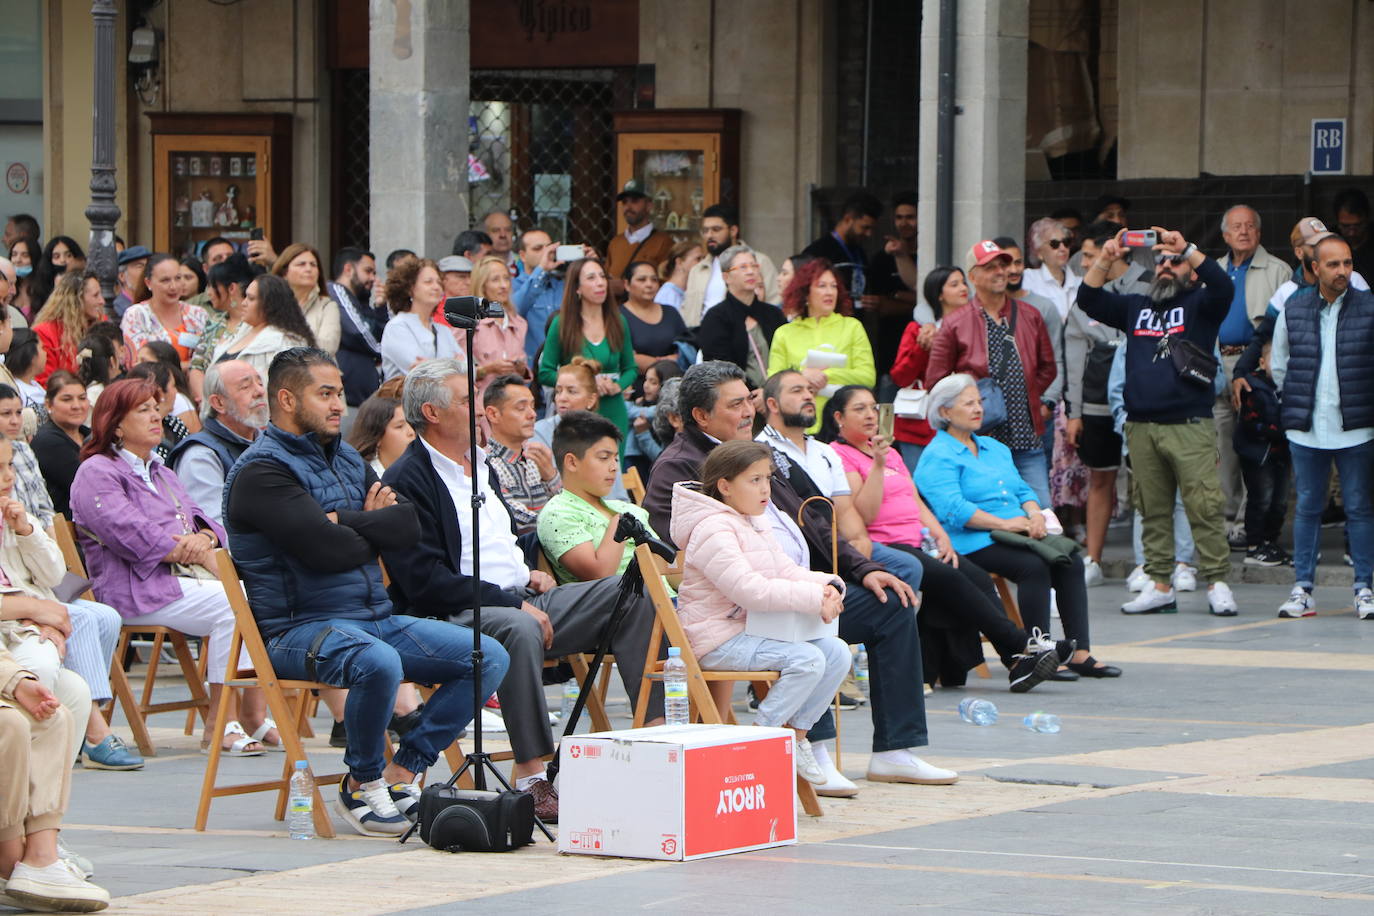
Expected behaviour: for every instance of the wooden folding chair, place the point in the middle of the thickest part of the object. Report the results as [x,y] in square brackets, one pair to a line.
[709,702]
[137,709]
[634,485]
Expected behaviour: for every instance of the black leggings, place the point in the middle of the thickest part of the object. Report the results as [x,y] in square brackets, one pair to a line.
[967,593]
[1034,578]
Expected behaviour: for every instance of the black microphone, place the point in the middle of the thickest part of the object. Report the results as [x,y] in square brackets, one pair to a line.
[466,311]
[632,528]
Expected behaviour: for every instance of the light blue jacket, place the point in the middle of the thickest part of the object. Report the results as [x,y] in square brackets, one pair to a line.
[538,295]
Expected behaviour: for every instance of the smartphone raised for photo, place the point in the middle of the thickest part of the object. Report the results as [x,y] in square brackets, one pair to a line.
[568,253]
[1140,238]
[885,416]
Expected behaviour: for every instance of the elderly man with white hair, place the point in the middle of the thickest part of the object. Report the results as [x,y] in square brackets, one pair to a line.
[991,515]
[8,282]
[233,413]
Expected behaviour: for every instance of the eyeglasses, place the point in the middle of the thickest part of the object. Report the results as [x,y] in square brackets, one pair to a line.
[1172,259]
[1055,243]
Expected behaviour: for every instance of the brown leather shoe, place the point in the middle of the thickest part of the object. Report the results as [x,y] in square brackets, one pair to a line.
[545,800]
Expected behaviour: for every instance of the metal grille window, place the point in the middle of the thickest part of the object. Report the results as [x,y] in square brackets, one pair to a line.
[542,149]
[351,129]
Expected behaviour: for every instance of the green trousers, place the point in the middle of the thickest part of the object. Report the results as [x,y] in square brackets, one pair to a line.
[1169,458]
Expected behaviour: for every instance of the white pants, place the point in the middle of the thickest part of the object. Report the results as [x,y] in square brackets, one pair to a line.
[202,610]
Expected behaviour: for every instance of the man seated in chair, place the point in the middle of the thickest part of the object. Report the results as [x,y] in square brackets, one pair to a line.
[521,607]
[306,519]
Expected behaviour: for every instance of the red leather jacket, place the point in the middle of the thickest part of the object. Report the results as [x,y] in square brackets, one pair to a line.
[962,346]
[909,366]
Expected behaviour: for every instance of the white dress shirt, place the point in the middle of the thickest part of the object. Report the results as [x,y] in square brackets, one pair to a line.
[503,563]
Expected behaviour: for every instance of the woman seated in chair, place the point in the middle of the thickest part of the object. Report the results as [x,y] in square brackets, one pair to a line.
[81,634]
[733,566]
[149,548]
[957,596]
[992,516]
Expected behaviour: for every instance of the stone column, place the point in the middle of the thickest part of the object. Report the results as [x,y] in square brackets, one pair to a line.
[103,212]
[989,126]
[419,124]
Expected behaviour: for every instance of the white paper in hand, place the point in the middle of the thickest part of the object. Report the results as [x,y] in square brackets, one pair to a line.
[825,359]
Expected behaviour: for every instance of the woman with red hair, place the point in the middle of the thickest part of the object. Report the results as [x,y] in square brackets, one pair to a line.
[822,328]
[148,546]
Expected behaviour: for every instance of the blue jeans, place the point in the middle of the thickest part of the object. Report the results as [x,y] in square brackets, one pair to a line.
[900,563]
[1036,473]
[1311,471]
[809,674]
[371,658]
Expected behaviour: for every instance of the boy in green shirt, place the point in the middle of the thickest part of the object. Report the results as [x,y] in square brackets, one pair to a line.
[577,526]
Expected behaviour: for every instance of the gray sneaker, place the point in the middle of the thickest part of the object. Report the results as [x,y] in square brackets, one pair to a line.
[1299,604]
[1364,604]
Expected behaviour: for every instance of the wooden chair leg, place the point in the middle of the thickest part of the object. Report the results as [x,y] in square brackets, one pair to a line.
[807,793]
[191,670]
[149,682]
[124,694]
[202,662]
[216,751]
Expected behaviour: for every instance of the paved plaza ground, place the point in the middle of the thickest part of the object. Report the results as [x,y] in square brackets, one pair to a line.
[1228,771]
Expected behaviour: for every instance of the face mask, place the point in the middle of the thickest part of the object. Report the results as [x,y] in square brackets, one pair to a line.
[23,271]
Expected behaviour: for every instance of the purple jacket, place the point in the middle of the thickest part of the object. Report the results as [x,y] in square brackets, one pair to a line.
[136,528]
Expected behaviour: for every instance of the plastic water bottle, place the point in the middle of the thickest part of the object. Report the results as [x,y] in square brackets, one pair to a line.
[571,691]
[676,709]
[300,807]
[1043,722]
[861,670]
[977,711]
[928,544]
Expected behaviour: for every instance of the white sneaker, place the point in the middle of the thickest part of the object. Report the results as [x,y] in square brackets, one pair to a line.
[905,766]
[1054,605]
[1185,578]
[492,723]
[1220,601]
[1152,601]
[807,767]
[1092,573]
[836,784]
[1300,603]
[1364,604]
[1052,523]
[79,862]
[1138,581]
[58,888]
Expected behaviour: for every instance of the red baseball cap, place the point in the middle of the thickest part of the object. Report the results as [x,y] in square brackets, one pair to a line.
[985,252]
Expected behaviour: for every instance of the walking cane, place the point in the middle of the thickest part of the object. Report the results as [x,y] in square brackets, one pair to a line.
[835,570]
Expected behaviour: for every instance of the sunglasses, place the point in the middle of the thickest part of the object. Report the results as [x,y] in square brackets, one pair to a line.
[1172,259]
[1055,243]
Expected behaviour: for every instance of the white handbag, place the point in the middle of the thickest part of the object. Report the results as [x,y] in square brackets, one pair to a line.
[910,403]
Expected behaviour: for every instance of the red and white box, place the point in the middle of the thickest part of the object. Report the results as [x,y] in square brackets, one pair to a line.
[677,792]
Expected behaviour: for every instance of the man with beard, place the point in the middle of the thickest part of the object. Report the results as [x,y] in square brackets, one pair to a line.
[1169,427]
[878,606]
[360,324]
[233,412]
[705,282]
[640,241]
[307,518]
[1320,361]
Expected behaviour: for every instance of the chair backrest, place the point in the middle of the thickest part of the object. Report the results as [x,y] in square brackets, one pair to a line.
[634,485]
[666,623]
[65,536]
[246,635]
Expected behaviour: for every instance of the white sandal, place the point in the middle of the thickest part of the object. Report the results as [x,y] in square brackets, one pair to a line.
[241,743]
[260,737]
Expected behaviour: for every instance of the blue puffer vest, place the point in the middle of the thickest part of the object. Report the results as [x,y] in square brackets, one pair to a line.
[218,438]
[1354,367]
[282,591]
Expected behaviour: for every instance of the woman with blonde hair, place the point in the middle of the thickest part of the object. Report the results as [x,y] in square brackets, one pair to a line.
[300,266]
[73,308]
[498,344]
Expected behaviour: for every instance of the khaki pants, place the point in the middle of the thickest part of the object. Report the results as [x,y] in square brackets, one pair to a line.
[35,771]
[1228,467]
[1178,458]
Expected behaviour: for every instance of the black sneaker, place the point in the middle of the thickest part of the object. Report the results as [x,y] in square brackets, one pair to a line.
[753,697]
[338,735]
[848,702]
[403,724]
[1263,555]
[1029,670]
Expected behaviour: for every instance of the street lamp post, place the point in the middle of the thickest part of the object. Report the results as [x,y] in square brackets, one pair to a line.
[103,212]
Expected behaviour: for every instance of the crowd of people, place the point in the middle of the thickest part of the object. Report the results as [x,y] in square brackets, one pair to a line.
[838,435]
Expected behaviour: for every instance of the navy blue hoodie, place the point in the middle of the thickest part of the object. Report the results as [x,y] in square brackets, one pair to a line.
[1154,391]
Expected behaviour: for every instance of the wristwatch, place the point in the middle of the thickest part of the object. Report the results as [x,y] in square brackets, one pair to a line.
[1188,252]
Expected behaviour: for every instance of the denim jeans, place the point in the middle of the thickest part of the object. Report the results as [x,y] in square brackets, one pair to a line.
[900,563]
[810,673]
[371,658]
[1036,473]
[1266,497]
[1311,471]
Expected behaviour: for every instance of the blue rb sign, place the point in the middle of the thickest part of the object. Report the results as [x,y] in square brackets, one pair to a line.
[1328,146]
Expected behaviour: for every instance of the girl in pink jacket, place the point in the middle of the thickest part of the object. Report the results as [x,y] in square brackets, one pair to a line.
[735,566]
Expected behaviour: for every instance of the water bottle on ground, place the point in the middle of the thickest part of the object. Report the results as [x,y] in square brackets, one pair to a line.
[300,808]
[571,691]
[928,544]
[861,670]
[1043,722]
[676,708]
[977,711]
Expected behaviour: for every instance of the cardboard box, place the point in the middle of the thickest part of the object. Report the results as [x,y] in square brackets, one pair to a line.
[677,792]
[789,626]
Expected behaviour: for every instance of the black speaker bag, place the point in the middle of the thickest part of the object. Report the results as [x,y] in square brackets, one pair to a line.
[466,820]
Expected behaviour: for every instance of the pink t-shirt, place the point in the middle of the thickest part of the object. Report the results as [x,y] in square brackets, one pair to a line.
[899,519]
